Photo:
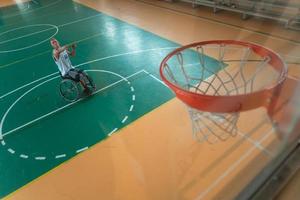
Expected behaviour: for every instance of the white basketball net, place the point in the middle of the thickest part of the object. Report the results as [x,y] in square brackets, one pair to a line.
[219,70]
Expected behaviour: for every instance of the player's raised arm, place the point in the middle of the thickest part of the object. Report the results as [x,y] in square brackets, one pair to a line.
[73,52]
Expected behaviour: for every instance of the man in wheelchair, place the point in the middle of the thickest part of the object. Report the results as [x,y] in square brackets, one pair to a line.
[61,57]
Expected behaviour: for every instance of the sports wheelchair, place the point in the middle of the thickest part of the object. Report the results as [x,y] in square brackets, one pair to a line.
[72,88]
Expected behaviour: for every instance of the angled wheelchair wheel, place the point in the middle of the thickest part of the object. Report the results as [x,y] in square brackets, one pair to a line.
[69,90]
[89,82]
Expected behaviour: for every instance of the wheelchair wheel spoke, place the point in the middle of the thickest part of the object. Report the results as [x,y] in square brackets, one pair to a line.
[69,90]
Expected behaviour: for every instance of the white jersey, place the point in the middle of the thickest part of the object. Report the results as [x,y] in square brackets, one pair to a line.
[64,64]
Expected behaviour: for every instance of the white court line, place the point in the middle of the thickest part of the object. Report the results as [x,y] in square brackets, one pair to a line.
[40,158]
[131,108]
[232,167]
[4,116]
[11,151]
[60,156]
[63,107]
[156,78]
[112,132]
[257,144]
[80,20]
[81,150]
[85,63]
[124,120]
[19,88]
[24,156]
[124,54]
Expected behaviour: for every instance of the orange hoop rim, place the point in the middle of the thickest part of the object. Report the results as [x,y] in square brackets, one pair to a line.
[232,103]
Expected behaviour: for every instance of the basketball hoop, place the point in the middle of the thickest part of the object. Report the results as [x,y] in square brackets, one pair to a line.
[219,79]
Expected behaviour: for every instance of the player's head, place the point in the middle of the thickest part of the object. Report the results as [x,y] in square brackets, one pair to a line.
[54,43]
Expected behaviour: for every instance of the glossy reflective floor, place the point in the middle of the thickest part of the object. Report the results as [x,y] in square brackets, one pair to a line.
[133,138]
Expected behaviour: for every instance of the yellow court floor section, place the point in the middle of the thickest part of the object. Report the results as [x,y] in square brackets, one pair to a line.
[153,158]
[156,157]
